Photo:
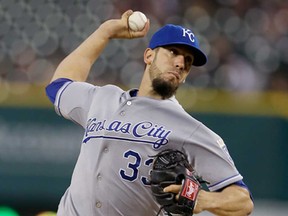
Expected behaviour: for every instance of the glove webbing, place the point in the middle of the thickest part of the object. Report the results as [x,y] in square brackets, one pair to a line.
[171,158]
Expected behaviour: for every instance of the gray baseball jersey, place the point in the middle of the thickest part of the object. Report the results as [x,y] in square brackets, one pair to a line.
[121,132]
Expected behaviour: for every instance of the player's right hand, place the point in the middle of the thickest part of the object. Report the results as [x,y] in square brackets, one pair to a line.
[118,28]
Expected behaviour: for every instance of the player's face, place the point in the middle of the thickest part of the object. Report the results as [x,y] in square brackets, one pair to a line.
[169,69]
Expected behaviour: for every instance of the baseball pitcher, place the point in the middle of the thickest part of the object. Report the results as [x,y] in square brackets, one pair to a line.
[141,153]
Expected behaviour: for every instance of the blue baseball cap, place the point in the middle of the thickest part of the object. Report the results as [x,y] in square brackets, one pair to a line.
[174,34]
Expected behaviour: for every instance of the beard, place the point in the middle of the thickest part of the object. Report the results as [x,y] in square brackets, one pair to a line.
[162,87]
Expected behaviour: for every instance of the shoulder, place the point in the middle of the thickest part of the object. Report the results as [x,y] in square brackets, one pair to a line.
[106,89]
[112,87]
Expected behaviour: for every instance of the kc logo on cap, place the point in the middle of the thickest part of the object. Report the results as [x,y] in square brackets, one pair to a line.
[177,35]
[189,33]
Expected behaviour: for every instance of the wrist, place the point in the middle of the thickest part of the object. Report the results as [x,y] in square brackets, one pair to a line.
[205,201]
[105,31]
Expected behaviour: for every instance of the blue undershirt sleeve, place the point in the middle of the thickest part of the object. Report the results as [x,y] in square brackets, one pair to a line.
[243,185]
[53,88]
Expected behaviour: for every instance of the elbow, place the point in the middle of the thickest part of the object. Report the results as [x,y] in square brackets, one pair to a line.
[245,201]
[249,206]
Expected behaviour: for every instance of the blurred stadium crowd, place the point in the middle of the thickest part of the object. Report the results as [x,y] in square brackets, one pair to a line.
[246,41]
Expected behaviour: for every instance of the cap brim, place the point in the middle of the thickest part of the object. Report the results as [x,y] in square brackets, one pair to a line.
[199,57]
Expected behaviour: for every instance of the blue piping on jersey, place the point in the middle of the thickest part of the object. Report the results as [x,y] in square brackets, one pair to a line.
[53,88]
[155,144]
[223,180]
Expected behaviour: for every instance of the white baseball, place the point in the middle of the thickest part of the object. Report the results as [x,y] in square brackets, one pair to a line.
[137,21]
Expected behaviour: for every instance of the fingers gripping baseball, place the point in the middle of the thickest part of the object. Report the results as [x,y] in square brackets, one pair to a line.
[137,23]
[119,28]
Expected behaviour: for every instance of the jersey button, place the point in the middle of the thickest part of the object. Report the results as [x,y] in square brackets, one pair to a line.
[129,103]
[98,204]
[99,177]
[106,150]
[122,113]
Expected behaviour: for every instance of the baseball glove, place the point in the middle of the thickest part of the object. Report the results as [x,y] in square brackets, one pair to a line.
[172,167]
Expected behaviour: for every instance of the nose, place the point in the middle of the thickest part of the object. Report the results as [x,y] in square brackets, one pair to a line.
[180,62]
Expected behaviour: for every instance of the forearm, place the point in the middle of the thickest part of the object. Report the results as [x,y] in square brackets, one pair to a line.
[76,66]
[233,200]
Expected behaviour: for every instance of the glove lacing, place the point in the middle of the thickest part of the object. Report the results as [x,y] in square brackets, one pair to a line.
[168,213]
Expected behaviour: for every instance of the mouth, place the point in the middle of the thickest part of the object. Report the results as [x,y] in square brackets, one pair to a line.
[175,74]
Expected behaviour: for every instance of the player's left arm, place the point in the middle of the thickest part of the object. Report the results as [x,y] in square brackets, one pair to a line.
[232,200]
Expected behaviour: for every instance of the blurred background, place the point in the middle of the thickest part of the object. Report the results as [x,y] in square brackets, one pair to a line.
[241,93]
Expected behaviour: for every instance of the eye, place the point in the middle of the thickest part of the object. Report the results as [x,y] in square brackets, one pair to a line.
[174,52]
[189,61]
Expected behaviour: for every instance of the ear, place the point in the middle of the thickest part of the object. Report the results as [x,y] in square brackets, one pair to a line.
[148,56]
